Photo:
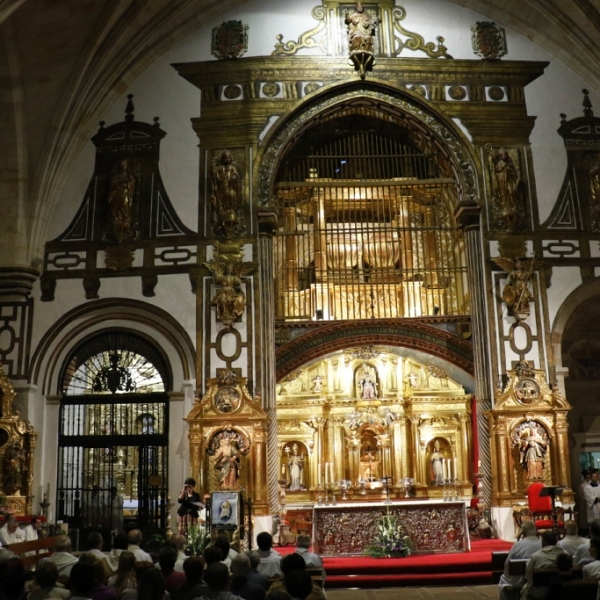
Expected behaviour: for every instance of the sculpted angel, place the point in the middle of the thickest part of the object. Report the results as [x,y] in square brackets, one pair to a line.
[516,293]
[230,300]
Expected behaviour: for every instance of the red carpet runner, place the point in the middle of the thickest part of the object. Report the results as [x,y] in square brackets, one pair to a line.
[465,568]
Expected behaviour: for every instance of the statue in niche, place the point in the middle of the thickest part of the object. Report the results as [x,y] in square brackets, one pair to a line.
[230,300]
[296,468]
[15,463]
[226,449]
[361,29]
[120,201]
[508,187]
[437,464]
[317,382]
[366,382]
[516,293]
[226,191]
[532,442]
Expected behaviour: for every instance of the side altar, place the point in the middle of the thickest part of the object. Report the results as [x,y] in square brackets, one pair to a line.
[433,527]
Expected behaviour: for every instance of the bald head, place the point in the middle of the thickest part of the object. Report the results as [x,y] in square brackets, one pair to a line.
[528,529]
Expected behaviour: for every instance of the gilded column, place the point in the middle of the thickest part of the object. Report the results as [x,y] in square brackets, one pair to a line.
[353,444]
[418,455]
[400,465]
[319,458]
[502,453]
[267,223]
[339,466]
[260,492]
[561,428]
[383,441]
[195,439]
[465,436]
[468,216]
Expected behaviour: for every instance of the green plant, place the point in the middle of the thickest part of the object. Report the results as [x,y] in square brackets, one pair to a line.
[198,539]
[390,539]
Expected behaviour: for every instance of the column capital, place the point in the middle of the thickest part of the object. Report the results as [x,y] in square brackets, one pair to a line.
[267,221]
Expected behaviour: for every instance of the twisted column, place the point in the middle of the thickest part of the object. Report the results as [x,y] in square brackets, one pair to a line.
[267,223]
[468,216]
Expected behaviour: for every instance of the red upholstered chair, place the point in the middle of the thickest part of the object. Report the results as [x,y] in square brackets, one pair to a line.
[541,508]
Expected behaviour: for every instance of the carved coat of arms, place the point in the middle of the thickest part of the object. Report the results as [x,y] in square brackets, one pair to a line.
[230,40]
[488,40]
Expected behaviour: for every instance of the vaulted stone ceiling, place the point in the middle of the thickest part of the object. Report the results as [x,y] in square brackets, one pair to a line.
[63,62]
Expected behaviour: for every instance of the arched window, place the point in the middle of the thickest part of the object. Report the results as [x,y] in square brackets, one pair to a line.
[113,433]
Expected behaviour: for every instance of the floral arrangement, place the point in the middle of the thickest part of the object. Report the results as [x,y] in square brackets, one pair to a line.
[390,539]
[198,539]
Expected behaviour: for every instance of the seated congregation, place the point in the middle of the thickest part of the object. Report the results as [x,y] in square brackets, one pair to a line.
[47,568]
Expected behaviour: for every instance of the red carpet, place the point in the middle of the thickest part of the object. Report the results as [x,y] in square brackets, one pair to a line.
[465,568]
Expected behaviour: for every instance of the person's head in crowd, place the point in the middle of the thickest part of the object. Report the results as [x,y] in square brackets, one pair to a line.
[254,558]
[120,542]
[141,567]
[264,540]
[95,541]
[193,567]
[595,548]
[298,583]
[292,562]
[217,577]
[278,595]
[528,528]
[82,579]
[564,562]
[151,585]
[304,541]
[594,528]
[212,554]
[63,543]
[240,565]
[222,541]
[571,527]
[178,542]
[46,574]
[12,579]
[167,557]
[11,523]
[135,537]
[90,559]
[125,571]
[549,539]
[36,523]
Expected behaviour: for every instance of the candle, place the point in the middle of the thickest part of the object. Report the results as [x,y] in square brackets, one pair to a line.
[319,479]
[455,469]
[326,473]
[444,472]
[283,469]
[331,479]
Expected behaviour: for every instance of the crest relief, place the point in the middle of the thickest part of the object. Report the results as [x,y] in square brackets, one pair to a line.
[229,40]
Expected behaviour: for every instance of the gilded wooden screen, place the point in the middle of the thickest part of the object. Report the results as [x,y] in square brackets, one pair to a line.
[367,229]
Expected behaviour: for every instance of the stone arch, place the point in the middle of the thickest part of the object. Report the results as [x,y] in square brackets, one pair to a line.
[337,335]
[384,101]
[156,325]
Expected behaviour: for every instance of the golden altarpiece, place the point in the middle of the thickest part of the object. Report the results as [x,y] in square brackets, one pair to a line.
[339,196]
[17,446]
[528,436]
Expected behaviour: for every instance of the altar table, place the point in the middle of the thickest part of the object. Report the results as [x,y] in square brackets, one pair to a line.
[433,526]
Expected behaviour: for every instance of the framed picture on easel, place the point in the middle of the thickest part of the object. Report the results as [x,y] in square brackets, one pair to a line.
[224,510]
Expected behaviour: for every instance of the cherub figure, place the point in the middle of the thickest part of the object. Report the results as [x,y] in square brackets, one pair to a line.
[516,293]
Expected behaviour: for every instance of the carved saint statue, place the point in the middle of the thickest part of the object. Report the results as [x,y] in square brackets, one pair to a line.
[437,464]
[508,189]
[296,469]
[227,462]
[14,467]
[532,451]
[230,300]
[367,382]
[226,190]
[120,201]
[361,29]
[516,293]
